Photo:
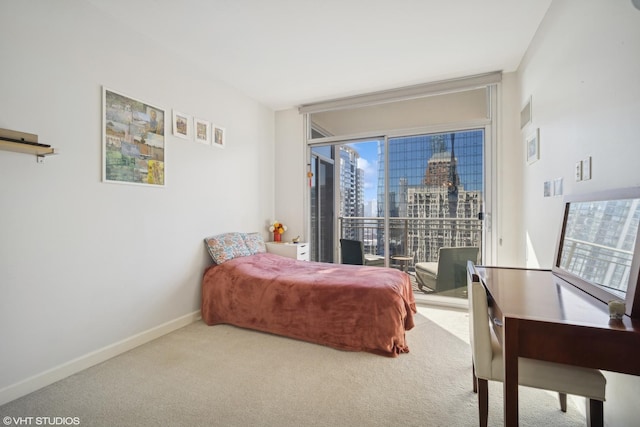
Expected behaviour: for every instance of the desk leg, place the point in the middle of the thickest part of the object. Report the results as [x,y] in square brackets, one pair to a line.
[510,358]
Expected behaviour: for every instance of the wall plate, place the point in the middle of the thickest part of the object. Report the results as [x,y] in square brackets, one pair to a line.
[557,187]
[578,171]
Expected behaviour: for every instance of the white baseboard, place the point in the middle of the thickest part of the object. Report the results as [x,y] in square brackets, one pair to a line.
[81,363]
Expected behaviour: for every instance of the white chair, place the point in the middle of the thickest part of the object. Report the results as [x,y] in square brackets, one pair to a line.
[488,366]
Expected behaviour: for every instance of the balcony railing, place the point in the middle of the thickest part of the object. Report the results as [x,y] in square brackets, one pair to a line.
[418,238]
[607,266]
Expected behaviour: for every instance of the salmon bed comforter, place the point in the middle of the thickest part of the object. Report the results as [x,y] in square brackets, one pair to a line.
[348,307]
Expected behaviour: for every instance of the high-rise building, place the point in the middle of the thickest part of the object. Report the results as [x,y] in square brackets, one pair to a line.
[351,189]
[432,227]
[432,206]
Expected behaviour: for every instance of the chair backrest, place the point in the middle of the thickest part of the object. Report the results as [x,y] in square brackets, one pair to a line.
[452,263]
[351,252]
[479,329]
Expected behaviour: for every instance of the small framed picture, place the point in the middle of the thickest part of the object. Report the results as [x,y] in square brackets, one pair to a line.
[202,131]
[182,125]
[526,114]
[219,137]
[533,146]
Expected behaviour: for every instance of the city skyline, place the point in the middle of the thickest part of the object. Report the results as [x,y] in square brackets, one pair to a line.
[435,193]
[431,178]
[409,157]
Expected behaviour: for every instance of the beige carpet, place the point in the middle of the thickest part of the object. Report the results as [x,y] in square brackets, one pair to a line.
[226,376]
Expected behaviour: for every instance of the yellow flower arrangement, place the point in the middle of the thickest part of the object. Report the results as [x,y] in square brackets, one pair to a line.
[277,226]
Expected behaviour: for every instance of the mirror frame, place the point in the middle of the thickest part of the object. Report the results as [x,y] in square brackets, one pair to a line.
[632,300]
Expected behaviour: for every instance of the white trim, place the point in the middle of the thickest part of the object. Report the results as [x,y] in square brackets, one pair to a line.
[81,363]
[405,93]
[386,230]
[398,133]
[493,175]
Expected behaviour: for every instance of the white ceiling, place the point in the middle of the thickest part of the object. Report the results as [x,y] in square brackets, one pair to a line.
[284,53]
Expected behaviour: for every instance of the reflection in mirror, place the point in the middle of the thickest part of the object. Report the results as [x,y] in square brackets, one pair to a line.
[599,242]
[598,247]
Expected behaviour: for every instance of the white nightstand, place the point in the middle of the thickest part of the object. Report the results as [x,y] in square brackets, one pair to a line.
[299,251]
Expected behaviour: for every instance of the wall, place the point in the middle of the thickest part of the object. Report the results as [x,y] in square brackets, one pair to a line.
[581,71]
[84,265]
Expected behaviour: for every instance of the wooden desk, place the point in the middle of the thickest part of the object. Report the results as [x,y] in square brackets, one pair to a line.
[544,317]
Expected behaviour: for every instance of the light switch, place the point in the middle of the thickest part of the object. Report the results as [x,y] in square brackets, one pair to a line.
[578,171]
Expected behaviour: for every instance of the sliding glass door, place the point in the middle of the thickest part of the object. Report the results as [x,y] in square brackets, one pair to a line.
[322,204]
[405,198]
[435,186]
[360,214]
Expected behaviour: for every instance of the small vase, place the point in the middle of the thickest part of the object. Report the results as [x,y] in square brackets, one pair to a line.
[277,237]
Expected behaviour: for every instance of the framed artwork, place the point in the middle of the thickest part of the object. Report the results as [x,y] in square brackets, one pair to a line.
[533,146]
[133,140]
[526,114]
[202,131]
[219,137]
[182,125]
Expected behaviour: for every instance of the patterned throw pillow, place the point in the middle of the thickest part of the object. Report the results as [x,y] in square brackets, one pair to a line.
[227,246]
[255,243]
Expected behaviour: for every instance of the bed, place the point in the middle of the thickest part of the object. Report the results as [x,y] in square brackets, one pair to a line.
[347,307]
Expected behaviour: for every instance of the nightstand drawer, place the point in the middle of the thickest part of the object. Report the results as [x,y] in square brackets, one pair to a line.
[303,251]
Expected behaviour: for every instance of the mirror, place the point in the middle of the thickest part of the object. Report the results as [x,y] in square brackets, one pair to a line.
[597,248]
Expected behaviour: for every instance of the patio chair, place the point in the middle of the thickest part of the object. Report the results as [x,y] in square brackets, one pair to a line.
[351,252]
[449,272]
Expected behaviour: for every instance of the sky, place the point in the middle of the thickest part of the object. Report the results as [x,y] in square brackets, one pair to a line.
[368,162]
